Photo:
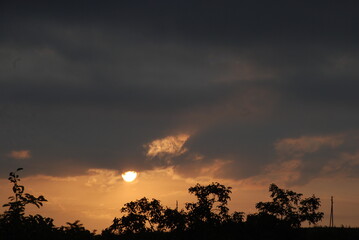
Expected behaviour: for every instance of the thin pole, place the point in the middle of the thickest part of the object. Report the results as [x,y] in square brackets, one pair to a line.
[331,222]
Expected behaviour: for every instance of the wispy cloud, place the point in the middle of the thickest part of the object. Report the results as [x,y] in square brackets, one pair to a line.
[306,144]
[347,165]
[20,154]
[170,146]
[103,179]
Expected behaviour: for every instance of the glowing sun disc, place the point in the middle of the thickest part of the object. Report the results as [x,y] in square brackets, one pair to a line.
[129,176]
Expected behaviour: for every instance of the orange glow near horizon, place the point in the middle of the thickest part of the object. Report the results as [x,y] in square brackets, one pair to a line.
[68,197]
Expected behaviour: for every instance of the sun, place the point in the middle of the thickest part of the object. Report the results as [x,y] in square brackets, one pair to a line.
[129,176]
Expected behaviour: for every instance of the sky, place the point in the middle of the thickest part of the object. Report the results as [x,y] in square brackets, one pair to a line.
[246,93]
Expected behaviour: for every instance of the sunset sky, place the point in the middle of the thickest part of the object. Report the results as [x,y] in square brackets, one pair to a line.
[246,93]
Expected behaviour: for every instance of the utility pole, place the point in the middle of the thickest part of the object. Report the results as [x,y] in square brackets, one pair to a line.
[331,222]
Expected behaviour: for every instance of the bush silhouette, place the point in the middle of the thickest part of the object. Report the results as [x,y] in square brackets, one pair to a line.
[14,225]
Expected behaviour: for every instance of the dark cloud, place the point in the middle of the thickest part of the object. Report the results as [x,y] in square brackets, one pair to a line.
[94,82]
[250,20]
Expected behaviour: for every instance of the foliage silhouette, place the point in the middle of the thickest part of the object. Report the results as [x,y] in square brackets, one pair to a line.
[13,222]
[289,207]
[207,218]
[145,216]
[15,225]
[20,199]
[75,231]
[211,206]
[174,220]
[140,216]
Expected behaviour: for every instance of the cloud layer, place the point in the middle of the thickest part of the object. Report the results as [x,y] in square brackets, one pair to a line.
[231,89]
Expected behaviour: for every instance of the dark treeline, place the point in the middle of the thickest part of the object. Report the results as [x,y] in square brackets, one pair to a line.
[207,218]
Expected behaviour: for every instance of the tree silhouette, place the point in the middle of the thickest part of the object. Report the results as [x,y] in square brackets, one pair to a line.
[140,216]
[173,220]
[143,215]
[211,206]
[308,210]
[288,206]
[207,218]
